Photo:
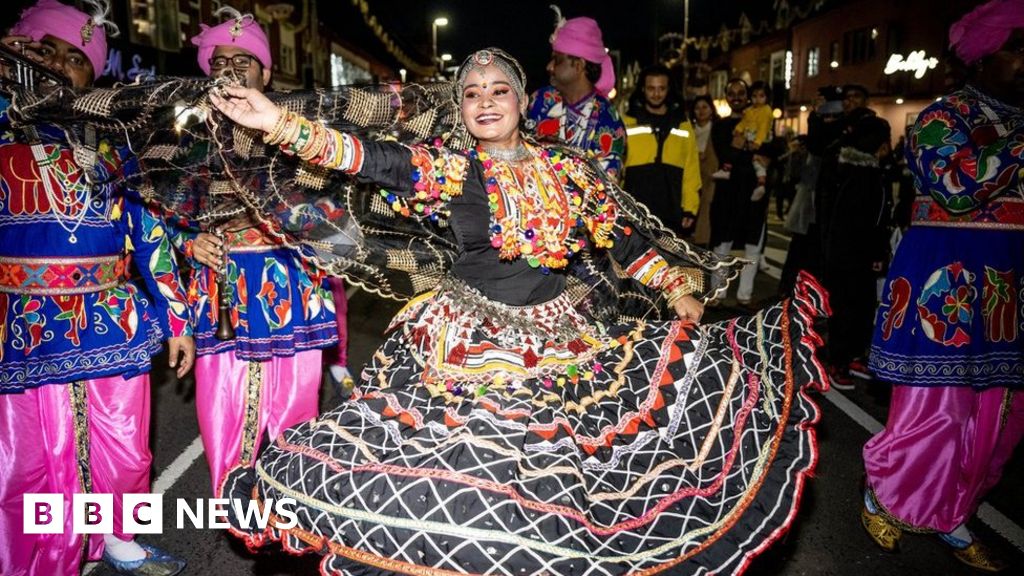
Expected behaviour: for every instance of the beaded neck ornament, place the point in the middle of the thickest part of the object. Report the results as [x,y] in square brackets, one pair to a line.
[537,215]
[517,154]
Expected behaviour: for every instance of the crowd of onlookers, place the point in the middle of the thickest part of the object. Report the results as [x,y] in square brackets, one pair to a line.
[842,190]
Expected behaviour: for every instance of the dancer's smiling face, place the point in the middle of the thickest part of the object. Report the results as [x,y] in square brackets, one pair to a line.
[490,107]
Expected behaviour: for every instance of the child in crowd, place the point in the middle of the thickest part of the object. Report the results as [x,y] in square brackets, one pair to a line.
[755,129]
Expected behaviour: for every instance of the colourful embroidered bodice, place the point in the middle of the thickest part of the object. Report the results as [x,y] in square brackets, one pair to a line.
[537,215]
[435,183]
[67,311]
[591,124]
[966,154]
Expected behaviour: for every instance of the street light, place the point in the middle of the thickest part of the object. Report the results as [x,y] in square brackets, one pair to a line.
[438,22]
[446,57]
[685,50]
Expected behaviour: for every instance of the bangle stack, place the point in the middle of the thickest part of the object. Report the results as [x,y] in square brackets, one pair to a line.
[286,122]
[315,143]
[680,282]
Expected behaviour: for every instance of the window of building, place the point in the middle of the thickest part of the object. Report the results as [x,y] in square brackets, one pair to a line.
[154,23]
[778,68]
[859,46]
[347,68]
[288,52]
[143,17]
[716,83]
[894,39]
[813,61]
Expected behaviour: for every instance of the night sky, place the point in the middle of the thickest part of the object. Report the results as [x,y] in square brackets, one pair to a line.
[522,27]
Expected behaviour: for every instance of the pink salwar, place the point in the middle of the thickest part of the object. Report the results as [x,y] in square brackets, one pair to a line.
[284,392]
[941,451]
[38,455]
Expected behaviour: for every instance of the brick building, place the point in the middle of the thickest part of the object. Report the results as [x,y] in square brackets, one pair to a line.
[313,43]
[895,49]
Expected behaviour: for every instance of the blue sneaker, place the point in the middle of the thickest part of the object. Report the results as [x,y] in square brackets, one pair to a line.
[156,563]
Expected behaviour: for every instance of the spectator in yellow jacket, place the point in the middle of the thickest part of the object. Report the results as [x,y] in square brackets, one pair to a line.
[662,163]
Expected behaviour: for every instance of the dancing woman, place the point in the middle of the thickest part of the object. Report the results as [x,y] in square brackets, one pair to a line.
[501,428]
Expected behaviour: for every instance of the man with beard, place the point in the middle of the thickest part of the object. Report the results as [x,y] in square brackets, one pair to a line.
[662,167]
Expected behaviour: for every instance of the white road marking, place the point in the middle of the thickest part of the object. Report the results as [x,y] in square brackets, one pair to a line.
[775,254]
[170,475]
[176,469]
[856,413]
[1003,526]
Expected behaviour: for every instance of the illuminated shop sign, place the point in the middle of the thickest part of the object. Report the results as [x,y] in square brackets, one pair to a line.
[916,62]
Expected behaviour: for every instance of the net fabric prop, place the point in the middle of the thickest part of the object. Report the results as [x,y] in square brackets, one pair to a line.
[203,170]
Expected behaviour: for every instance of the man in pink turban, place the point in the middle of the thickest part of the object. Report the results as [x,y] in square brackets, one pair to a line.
[957,371]
[71,42]
[985,29]
[575,107]
[267,377]
[76,335]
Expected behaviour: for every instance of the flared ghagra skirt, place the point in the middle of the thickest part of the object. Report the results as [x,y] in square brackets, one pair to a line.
[490,439]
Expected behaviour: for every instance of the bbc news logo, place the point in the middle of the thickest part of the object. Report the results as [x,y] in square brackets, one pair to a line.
[144,513]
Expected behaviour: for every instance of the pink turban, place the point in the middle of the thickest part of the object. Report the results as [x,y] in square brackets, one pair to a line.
[242,32]
[85,32]
[581,37]
[985,29]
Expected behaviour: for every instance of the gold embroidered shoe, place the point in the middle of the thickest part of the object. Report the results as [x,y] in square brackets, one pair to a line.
[882,530]
[981,557]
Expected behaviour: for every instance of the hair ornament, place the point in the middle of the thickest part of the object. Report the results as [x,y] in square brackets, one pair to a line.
[559,21]
[98,11]
[241,20]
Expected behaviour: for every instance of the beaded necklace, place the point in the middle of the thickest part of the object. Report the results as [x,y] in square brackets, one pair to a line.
[64,205]
[535,214]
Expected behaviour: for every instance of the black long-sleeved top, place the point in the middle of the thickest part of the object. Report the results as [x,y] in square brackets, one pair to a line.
[514,282]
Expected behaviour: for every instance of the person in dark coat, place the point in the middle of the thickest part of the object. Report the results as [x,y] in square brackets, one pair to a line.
[856,245]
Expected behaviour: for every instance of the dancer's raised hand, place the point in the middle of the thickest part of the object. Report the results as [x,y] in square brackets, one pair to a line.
[246,106]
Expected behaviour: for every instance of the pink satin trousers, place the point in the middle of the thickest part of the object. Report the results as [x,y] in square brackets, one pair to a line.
[38,455]
[238,402]
[941,451]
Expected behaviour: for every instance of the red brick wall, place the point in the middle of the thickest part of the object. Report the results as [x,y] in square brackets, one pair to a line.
[903,26]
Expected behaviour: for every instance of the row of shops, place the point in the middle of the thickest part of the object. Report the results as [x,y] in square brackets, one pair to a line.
[314,44]
[897,50]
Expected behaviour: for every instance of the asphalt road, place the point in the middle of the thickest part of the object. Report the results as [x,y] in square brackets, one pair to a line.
[826,538]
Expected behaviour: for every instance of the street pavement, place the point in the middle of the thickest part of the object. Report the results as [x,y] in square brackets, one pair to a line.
[826,537]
